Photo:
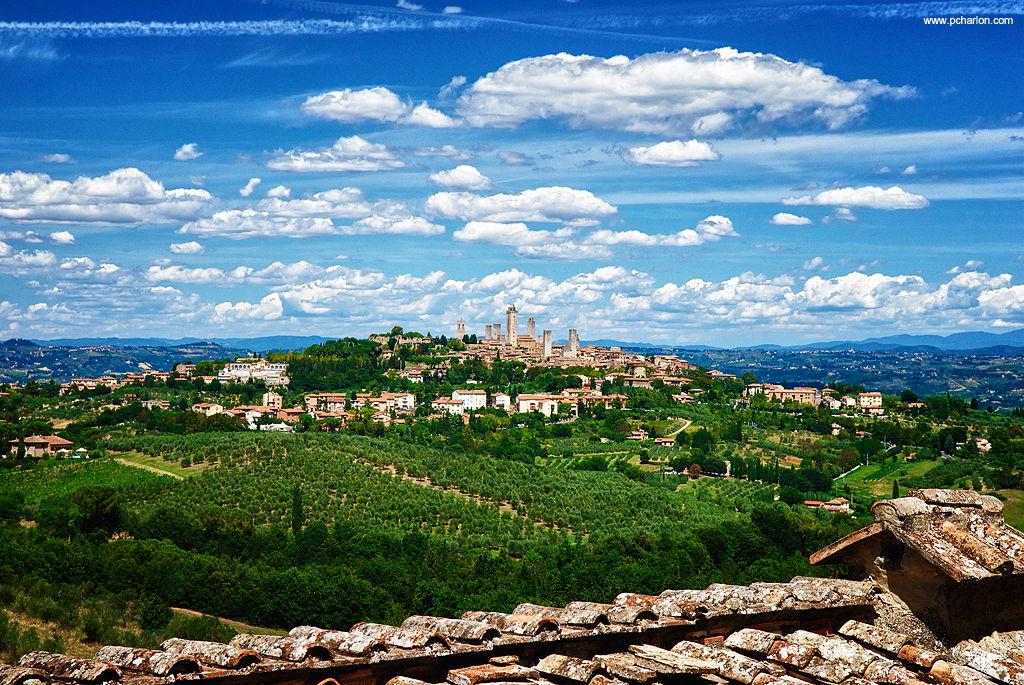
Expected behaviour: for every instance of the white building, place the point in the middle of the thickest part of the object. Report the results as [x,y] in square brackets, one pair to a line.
[500,400]
[447,405]
[545,404]
[245,369]
[471,399]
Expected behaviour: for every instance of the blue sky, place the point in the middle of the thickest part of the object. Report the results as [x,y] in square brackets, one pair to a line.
[678,172]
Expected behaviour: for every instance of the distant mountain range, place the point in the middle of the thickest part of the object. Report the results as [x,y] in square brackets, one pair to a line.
[975,342]
[264,344]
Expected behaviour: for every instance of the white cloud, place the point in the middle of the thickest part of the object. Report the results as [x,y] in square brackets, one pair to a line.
[673,153]
[910,170]
[841,214]
[548,204]
[689,91]
[376,104]
[567,250]
[816,264]
[292,222]
[279,192]
[267,309]
[187,152]
[709,229]
[339,203]
[249,187]
[424,115]
[452,9]
[969,265]
[63,237]
[514,158]
[406,5]
[463,177]
[448,89]
[450,151]
[508,233]
[393,225]
[787,219]
[874,197]
[58,158]
[238,224]
[882,170]
[347,154]
[191,247]
[124,196]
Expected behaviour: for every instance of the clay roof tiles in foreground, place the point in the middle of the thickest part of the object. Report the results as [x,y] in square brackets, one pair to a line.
[960,532]
[759,634]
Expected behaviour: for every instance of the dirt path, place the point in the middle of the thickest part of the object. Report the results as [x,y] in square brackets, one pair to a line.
[234,625]
[503,506]
[147,467]
[686,424]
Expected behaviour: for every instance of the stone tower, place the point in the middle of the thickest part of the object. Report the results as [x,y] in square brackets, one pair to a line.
[460,329]
[547,344]
[531,328]
[572,350]
[489,332]
[512,326]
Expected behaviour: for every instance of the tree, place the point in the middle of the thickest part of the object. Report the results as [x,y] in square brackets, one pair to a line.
[154,613]
[895,489]
[298,516]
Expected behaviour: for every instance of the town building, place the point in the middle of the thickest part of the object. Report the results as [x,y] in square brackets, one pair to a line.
[44,446]
[245,369]
[472,400]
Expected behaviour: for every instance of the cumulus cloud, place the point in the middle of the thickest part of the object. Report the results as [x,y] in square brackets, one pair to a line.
[787,219]
[672,153]
[709,229]
[548,204]
[684,92]
[63,237]
[874,197]
[187,152]
[267,309]
[463,177]
[425,115]
[347,154]
[124,196]
[840,214]
[393,225]
[249,187]
[191,247]
[406,5]
[452,9]
[448,89]
[338,203]
[279,192]
[507,233]
[450,151]
[374,104]
[239,224]
[816,264]
[567,250]
[969,265]
[910,170]
[59,158]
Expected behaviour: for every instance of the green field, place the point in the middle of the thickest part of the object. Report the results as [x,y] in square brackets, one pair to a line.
[874,481]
